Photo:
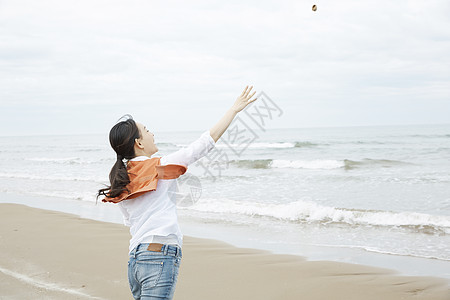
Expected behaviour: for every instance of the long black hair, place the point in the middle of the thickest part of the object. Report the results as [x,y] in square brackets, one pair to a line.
[121,138]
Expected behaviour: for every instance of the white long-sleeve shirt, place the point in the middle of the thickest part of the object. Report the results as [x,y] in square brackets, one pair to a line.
[152,217]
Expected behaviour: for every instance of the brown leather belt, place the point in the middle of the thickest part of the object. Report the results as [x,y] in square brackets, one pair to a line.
[155,247]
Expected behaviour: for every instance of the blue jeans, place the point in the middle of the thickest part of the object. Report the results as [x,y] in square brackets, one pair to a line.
[152,274]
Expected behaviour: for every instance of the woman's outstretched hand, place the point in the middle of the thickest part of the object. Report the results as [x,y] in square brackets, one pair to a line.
[243,100]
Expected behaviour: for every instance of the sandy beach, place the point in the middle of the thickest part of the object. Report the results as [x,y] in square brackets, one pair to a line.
[52,255]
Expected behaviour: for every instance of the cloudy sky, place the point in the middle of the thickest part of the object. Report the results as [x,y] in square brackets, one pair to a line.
[77,66]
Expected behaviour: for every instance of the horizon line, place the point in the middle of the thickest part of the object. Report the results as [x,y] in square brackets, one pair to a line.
[200,130]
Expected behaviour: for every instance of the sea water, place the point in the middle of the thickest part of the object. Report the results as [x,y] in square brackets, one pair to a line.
[374,195]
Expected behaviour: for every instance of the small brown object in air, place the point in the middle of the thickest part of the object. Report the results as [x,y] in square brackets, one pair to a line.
[314,8]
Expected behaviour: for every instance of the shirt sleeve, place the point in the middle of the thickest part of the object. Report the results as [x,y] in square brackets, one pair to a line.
[193,152]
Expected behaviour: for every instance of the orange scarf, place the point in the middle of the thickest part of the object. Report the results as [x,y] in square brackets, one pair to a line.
[144,177]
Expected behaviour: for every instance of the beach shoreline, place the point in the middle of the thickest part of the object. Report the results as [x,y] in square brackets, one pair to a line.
[247,236]
[54,255]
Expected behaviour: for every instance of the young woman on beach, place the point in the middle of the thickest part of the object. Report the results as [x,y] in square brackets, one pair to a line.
[145,190]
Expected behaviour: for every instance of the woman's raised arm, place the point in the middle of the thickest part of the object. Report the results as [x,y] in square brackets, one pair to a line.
[241,102]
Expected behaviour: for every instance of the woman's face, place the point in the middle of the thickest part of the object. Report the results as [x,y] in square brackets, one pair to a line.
[146,142]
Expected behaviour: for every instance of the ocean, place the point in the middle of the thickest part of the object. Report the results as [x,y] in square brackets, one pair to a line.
[373,195]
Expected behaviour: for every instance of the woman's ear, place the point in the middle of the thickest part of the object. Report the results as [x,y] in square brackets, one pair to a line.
[137,143]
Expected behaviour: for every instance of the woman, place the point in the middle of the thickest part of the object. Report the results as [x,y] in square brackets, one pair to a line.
[145,190]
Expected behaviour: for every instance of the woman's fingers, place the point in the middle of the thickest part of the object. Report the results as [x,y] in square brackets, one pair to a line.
[243,93]
[246,94]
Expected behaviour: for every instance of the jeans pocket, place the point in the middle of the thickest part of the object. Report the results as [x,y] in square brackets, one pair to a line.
[148,272]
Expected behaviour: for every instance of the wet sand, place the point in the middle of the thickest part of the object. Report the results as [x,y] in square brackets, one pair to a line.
[52,255]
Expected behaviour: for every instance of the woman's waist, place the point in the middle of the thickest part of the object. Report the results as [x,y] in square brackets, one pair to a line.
[144,249]
[172,239]
[166,237]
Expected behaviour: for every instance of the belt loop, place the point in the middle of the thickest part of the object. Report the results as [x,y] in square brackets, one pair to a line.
[165,249]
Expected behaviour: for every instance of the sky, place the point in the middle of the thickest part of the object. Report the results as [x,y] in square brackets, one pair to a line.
[75,67]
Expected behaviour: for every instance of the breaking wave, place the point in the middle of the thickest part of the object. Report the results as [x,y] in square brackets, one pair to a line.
[368,162]
[325,164]
[269,145]
[310,212]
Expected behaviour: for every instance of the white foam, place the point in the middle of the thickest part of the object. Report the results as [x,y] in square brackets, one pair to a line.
[45,285]
[55,178]
[397,251]
[305,211]
[70,160]
[257,145]
[305,164]
[56,160]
